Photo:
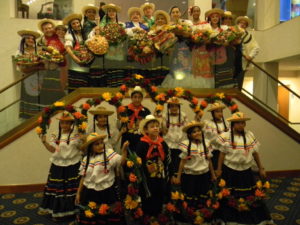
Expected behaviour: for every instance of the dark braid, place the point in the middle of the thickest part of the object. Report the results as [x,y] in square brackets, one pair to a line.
[244,138]
[59,134]
[88,155]
[168,120]
[225,127]
[71,131]
[232,136]
[189,146]
[108,129]
[71,31]
[179,116]
[215,121]
[105,158]
[94,122]
[22,43]
[204,144]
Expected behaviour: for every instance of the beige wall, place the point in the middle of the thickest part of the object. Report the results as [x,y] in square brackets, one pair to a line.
[26,161]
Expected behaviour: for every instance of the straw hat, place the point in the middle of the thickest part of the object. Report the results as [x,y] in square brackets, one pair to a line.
[237,117]
[145,121]
[147,4]
[29,32]
[136,89]
[162,12]
[101,111]
[245,18]
[87,7]
[215,106]
[91,138]
[43,21]
[71,17]
[228,14]
[192,124]
[66,116]
[60,24]
[134,9]
[212,11]
[174,100]
[111,6]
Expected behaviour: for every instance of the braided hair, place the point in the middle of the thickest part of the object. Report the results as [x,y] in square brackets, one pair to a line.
[189,132]
[71,31]
[107,126]
[88,156]
[232,137]
[22,45]
[168,115]
[219,23]
[59,134]
[107,19]
[215,121]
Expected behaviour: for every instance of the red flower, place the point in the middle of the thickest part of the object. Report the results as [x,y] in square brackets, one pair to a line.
[121,109]
[132,190]
[138,213]
[229,98]
[123,88]
[206,212]
[97,101]
[47,109]
[204,103]
[86,106]
[118,209]
[216,205]
[114,100]
[132,178]
[233,107]
[153,88]
[250,198]
[195,101]
[171,93]
[69,108]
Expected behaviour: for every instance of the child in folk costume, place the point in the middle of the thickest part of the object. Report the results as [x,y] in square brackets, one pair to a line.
[195,170]
[89,13]
[98,173]
[157,166]
[172,126]
[102,126]
[238,148]
[63,179]
[214,127]
[136,112]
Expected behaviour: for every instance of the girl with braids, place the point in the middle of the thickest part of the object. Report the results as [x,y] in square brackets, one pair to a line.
[63,179]
[214,127]
[238,148]
[101,126]
[74,39]
[195,170]
[98,173]
[172,125]
[89,18]
[157,167]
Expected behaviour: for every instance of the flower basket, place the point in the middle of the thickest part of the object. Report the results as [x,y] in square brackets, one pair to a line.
[84,55]
[114,33]
[98,45]
[163,40]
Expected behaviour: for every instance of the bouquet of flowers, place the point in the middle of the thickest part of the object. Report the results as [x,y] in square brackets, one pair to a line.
[51,57]
[233,34]
[27,60]
[84,55]
[140,47]
[200,36]
[114,33]
[181,30]
[163,39]
[220,37]
[97,44]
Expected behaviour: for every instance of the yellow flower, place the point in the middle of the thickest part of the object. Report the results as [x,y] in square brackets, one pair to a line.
[138,76]
[38,130]
[175,195]
[197,109]
[130,203]
[243,207]
[222,183]
[159,107]
[139,160]
[92,205]
[267,185]
[179,91]
[106,96]
[220,95]
[259,184]
[83,126]
[182,196]
[59,104]
[119,95]
[88,213]
[198,220]
[241,200]
[130,164]
[124,119]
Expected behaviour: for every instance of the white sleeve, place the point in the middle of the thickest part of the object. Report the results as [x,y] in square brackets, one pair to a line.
[253,47]
[68,40]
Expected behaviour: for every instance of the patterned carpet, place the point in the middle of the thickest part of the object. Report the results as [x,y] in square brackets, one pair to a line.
[283,202]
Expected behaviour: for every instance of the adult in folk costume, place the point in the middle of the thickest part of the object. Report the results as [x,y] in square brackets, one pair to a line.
[148,18]
[135,15]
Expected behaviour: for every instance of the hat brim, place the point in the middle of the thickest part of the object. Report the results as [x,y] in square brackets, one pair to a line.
[71,17]
[132,91]
[216,107]
[29,32]
[109,6]
[66,119]
[101,112]
[145,5]
[43,21]
[212,11]
[134,9]
[85,8]
[144,122]
[86,144]
[161,12]
[249,21]
[198,124]
[238,119]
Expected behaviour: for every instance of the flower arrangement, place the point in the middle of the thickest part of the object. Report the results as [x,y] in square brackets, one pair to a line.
[201,36]
[233,34]
[163,39]
[97,45]
[27,60]
[251,201]
[181,30]
[51,54]
[84,55]
[93,209]
[45,119]
[114,33]
[221,97]
[140,47]
[219,38]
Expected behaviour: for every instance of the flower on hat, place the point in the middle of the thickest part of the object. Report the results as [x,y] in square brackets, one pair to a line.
[159,108]
[106,96]
[119,95]
[83,126]
[179,91]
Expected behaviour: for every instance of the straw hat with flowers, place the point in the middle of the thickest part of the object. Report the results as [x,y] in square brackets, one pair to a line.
[213,11]
[91,138]
[163,13]
[192,124]
[145,121]
[71,17]
[43,21]
[134,9]
[100,110]
[215,106]
[238,117]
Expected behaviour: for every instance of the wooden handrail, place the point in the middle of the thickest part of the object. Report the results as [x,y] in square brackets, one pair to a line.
[15,82]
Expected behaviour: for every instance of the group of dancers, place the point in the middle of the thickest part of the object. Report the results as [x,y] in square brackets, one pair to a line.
[174,151]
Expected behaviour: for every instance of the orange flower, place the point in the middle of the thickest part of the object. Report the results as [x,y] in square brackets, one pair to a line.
[234,107]
[86,106]
[132,178]
[225,192]
[159,108]
[121,109]
[139,160]
[241,200]
[138,213]
[195,101]
[119,95]
[259,193]
[123,87]
[38,130]
[220,195]
[130,203]
[40,119]
[208,202]
[78,115]
[204,104]
[216,205]
[130,164]
[197,109]
[103,209]
[175,195]
[222,183]
[153,88]
[171,207]
[243,207]
[88,213]
[92,205]
[106,96]
[259,184]
[179,91]
[160,97]
[267,185]
[184,204]
[124,119]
